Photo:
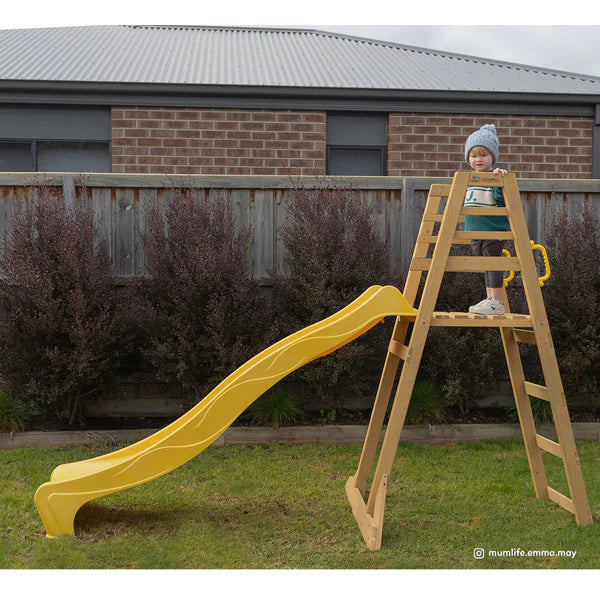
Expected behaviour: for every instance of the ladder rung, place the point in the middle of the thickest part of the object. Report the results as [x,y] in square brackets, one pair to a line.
[487,210]
[537,391]
[527,336]
[470,264]
[484,235]
[465,237]
[440,189]
[484,210]
[549,445]
[437,218]
[464,319]
[398,349]
[433,239]
[561,500]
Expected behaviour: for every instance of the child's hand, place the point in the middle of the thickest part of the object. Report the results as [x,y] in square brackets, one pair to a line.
[500,172]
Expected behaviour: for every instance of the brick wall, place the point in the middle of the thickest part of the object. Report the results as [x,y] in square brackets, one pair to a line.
[530,146]
[200,141]
[288,142]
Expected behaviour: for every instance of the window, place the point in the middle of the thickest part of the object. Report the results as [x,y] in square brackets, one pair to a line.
[55,139]
[356,143]
[92,157]
[15,156]
[355,161]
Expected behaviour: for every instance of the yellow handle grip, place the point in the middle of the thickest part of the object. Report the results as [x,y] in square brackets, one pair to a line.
[511,276]
[541,248]
[541,279]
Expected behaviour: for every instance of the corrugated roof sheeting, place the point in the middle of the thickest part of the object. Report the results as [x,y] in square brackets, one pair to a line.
[260,57]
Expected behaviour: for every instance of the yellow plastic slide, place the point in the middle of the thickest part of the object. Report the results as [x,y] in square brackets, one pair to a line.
[72,485]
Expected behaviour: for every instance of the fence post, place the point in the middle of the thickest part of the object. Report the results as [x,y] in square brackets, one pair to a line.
[69,194]
[408,217]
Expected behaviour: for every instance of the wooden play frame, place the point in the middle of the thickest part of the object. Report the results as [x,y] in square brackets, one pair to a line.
[368,509]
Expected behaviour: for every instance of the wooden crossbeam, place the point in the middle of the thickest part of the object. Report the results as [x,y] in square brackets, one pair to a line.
[562,500]
[400,350]
[526,336]
[465,237]
[537,391]
[549,446]
[470,264]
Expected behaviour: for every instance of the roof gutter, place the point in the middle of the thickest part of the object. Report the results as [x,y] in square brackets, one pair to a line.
[279,97]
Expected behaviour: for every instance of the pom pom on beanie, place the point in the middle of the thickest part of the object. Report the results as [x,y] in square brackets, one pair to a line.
[486,137]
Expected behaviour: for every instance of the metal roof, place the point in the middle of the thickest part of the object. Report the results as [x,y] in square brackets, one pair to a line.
[261,57]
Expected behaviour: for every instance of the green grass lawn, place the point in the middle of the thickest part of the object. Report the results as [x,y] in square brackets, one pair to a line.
[284,506]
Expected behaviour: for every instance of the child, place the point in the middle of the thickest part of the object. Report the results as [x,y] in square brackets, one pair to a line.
[481,152]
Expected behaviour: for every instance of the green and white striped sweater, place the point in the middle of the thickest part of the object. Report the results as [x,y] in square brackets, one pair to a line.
[478,196]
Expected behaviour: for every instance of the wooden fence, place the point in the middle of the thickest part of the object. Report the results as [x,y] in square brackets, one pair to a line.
[120,202]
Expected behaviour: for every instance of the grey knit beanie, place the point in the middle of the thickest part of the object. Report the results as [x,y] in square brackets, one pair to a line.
[486,137]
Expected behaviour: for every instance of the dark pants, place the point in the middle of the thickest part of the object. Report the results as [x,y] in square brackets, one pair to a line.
[493,279]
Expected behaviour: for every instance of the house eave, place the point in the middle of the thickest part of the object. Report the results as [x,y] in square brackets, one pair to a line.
[305,98]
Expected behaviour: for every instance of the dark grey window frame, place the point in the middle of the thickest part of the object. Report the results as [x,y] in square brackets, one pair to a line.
[34,147]
[381,149]
[370,133]
[36,124]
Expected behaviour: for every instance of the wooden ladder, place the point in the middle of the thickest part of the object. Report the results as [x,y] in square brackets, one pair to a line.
[368,509]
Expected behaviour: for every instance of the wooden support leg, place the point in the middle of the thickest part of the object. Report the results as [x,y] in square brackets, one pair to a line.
[369,515]
[380,405]
[394,430]
[578,503]
[418,338]
[370,524]
[517,380]
[553,391]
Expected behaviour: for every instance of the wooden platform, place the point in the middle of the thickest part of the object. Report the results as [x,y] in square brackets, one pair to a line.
[465,319]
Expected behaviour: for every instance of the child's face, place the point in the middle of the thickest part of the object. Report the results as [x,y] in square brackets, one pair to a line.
[480,159]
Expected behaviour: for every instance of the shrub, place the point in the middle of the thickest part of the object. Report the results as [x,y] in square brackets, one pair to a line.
[276,407]
[205,311]
[333,255]
[572,297]
[63,331]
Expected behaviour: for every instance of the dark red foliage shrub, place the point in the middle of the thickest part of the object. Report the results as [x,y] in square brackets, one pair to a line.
[572,297]
[64,333]
[333,255]
[207,315]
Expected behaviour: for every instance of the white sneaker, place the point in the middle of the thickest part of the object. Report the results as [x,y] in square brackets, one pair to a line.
[489,306]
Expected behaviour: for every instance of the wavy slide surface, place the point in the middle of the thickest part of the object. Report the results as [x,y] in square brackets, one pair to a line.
[72,485]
